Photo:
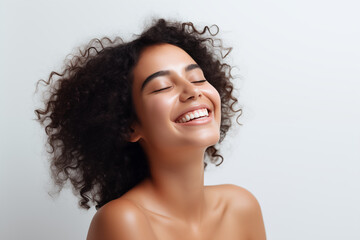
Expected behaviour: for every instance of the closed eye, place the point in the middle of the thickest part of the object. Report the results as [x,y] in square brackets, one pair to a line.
[161,89]
[200,81]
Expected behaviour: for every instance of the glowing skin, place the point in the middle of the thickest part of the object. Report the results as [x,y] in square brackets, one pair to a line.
[179,116]
[179,87]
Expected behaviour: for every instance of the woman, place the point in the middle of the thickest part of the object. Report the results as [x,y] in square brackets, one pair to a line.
[129,125]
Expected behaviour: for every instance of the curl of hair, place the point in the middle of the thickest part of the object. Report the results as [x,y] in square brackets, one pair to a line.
[89,109]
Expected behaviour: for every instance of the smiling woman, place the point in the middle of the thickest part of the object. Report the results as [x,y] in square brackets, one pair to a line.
[176,92]
[129,124]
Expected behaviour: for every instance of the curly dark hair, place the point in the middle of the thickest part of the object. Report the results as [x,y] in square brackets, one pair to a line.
[89,109]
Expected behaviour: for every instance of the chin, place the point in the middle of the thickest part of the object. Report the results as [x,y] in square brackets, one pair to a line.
[207,140]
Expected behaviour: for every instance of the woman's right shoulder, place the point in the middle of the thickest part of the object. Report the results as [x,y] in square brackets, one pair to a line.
[120,219]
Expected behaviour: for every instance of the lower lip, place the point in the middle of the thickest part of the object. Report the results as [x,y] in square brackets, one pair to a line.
[198,121]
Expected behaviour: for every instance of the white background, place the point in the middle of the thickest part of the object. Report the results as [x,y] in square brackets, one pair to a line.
[298,150]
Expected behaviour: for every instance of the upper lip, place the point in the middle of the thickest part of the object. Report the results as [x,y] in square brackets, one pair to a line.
[193,108]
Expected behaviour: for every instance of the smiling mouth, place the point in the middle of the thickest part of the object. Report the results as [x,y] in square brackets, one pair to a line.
[196,114]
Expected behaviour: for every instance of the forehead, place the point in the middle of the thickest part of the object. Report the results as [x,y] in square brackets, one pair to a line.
[160,57]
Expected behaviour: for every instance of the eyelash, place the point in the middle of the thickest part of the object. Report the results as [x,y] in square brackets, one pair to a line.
[159,90]
[200,81]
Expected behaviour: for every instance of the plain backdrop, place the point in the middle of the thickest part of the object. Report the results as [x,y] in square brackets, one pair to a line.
[298,68]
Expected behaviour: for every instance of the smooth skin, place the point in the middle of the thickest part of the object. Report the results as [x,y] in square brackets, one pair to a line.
[174,203]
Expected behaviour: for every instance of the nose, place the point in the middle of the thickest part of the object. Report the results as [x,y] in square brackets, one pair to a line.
[189,91]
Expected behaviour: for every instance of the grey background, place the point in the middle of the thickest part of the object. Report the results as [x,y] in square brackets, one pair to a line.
[297,151]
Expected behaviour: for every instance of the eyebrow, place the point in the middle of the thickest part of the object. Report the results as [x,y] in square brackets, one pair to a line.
[164,73]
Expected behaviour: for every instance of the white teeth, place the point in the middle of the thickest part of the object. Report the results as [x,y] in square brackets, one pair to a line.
[195,114]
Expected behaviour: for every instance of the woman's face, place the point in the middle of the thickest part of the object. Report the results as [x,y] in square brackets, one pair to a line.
[175,105]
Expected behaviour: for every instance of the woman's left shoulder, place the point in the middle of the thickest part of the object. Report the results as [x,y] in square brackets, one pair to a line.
[244,208]
[238,197]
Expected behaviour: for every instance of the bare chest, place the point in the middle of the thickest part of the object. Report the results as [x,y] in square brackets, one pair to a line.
[219,225]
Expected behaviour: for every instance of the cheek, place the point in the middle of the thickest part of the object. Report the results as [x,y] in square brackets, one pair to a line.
[156,124]
[157,111]
[214,97]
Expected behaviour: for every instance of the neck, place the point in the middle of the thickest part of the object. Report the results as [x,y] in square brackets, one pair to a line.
[178,182]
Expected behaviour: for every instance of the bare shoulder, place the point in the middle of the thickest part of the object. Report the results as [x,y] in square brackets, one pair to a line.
[244,208]
[235,196]
[120,219]
[238,197]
